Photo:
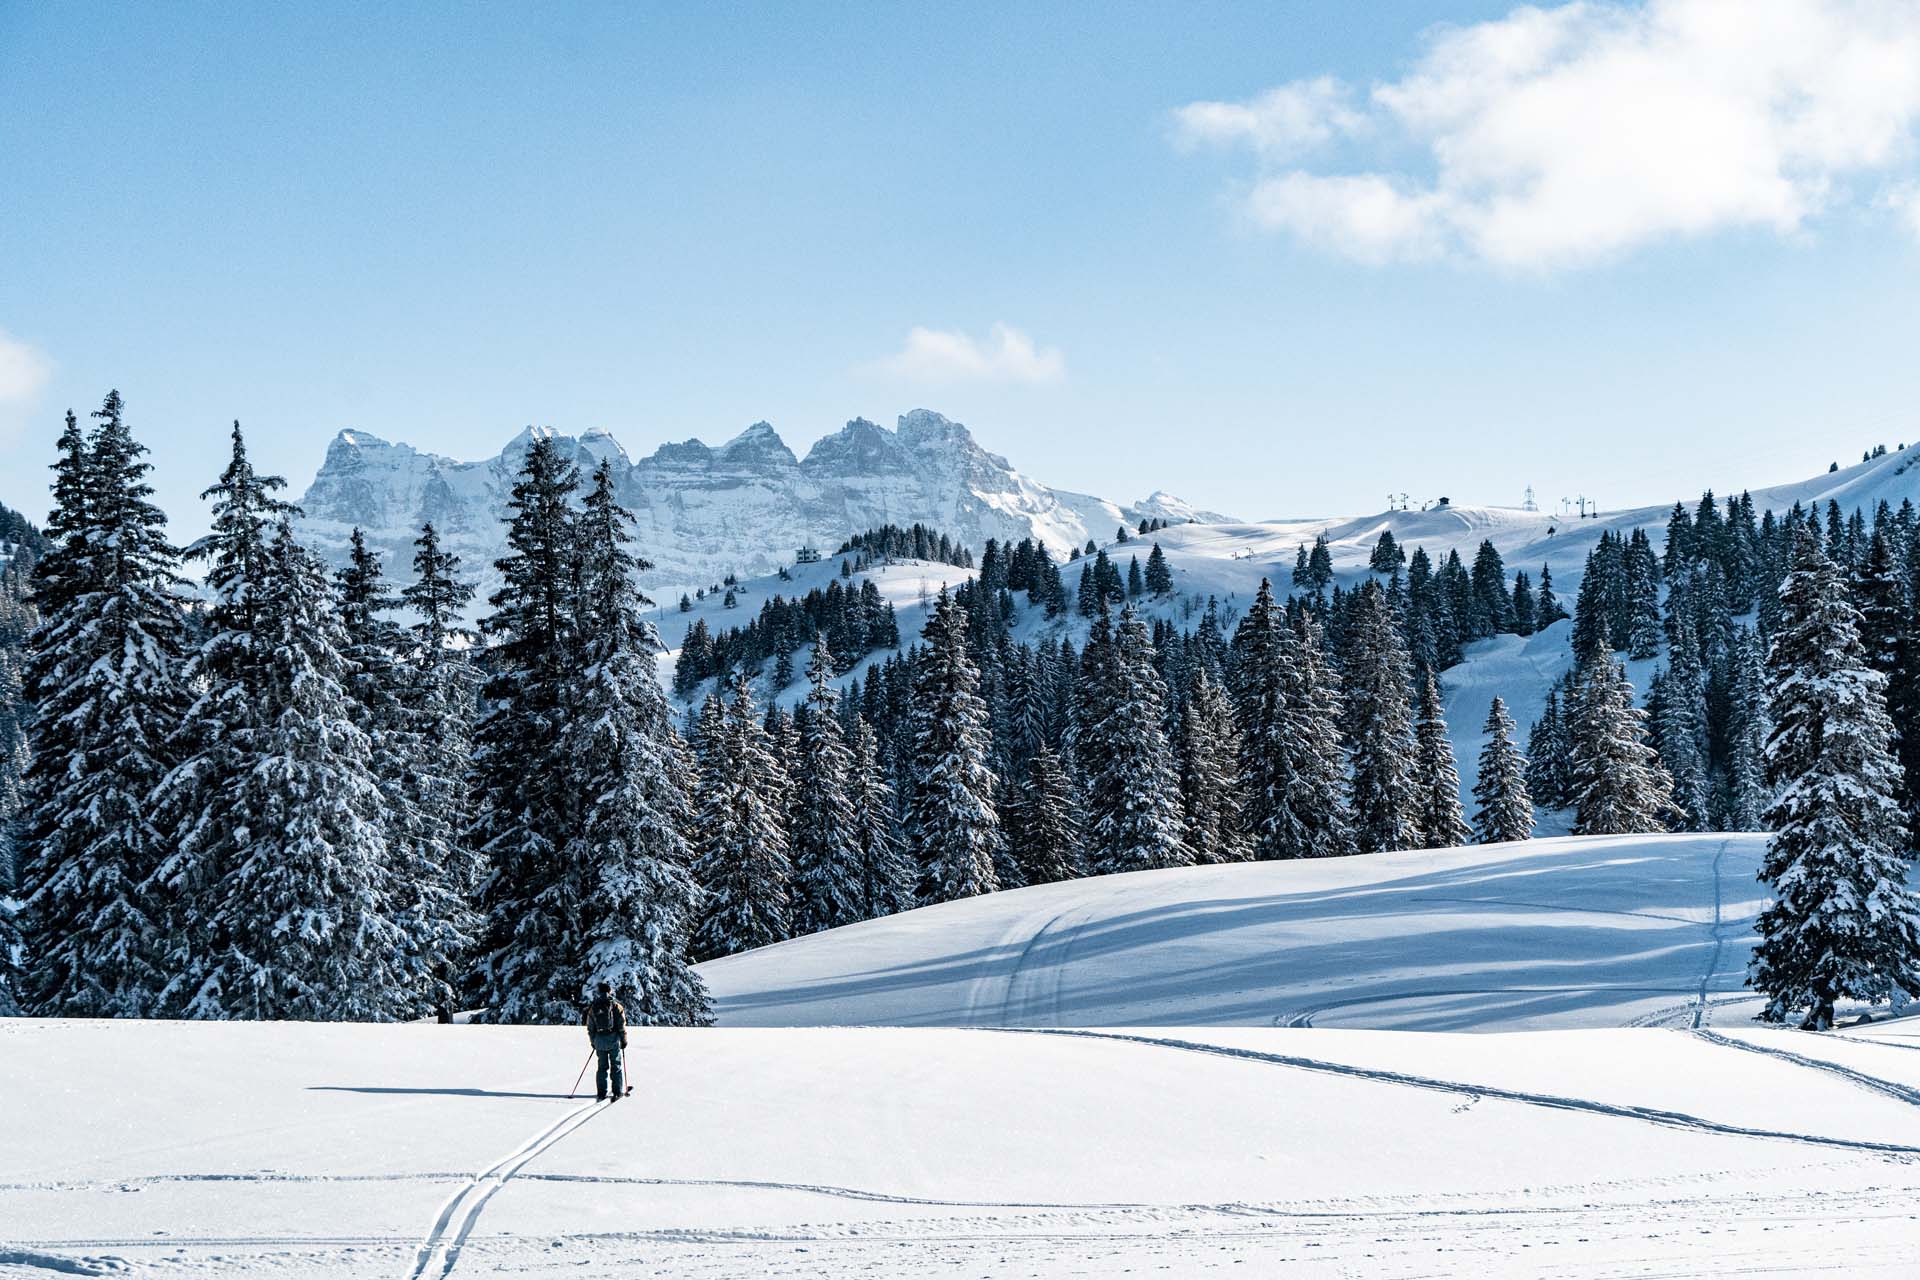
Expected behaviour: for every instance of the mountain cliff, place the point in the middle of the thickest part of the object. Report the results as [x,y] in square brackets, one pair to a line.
[702,512]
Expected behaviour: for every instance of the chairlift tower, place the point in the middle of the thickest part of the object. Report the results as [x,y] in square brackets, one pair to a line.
[1527,503]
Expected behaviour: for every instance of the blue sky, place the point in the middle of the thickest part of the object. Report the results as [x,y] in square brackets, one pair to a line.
[1269,257]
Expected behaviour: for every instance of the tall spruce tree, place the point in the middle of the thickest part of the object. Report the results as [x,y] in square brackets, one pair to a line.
[1292,769]
[1843,922]
[105,679]
[887,878]
[1050,844]
[1616,783]
[440,701]
[1506,808]
[1549,776]
[743,859]
[523,813]
[292,918]
[1748,728]
[1209,758]
[1133,793]
[828,865]
[1680,730]
[1384,784]
[1443,824]
[953,829]
[202,803]
[628,861]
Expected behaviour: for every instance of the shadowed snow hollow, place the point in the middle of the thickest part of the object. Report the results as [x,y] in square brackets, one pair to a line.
[1570,932]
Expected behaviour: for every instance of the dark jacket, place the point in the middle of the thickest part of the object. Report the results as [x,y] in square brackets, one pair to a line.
[606,1023]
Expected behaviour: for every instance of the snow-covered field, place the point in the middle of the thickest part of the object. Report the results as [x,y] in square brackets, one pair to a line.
[170,1149]
[1151,1145]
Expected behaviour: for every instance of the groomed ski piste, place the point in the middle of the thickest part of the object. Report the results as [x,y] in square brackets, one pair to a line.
[1531,1059]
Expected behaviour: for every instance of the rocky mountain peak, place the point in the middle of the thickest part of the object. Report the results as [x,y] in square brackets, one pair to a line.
[702,512]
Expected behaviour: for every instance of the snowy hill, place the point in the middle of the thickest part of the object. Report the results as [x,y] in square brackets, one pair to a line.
[335,1152]
[1601,931]
[703,512]
[1226,560]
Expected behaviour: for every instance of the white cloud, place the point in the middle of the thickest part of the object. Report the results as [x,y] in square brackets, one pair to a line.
[1905,203]
[1554,137]
[24,371]
[1364,216]
[944,355]
[1283,121]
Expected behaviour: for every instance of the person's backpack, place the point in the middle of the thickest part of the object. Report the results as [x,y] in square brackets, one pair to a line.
[600,1018]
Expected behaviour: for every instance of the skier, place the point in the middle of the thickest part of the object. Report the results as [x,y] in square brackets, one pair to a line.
[607,1032]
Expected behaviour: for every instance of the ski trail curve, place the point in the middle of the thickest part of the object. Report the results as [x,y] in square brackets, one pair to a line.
[1874,1084]
[1556,1102]
[466,1203]
[1017,1007]
[1719,940]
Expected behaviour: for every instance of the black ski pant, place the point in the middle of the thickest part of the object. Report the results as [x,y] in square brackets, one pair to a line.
[609,1053]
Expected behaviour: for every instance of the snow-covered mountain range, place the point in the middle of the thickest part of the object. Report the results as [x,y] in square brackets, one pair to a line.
[704,512]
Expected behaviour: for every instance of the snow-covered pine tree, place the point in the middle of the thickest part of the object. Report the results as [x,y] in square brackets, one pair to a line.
[1159,575]
[1384,786]
[886,876]
[1051,845]
[953,830]
[742,857]
[1292,769]
[828,881]
[1616,783]
[780,741]
[439,700]
[1133,793]
[1643,597]
[1443,825]
[1209,756]
[295,923]
[1548,775]
[1843,922]
[1881,591]
[1748,726]
[1547,609]
[433,915]
[523,813]
[1323,818]
[1506,809]
[1680,728]
[201,803]
[105,679]
[629,860]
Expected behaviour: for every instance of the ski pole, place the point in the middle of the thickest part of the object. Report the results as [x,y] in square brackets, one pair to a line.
[582,1076]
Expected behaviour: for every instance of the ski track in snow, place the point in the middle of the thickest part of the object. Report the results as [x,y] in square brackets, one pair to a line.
[1019,1004]
[1719,938]
[482,1187]
[1874,1084]
[1557,1102]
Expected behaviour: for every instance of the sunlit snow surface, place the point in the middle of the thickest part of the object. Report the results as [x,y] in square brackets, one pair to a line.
[1160,1147]
[1566,932]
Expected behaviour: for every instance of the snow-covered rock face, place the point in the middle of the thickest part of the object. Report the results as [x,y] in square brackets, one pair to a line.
[703,512]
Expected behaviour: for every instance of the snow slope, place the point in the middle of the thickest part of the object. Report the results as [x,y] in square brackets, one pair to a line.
[1599,931]
[328,1151]
[1701,1145]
